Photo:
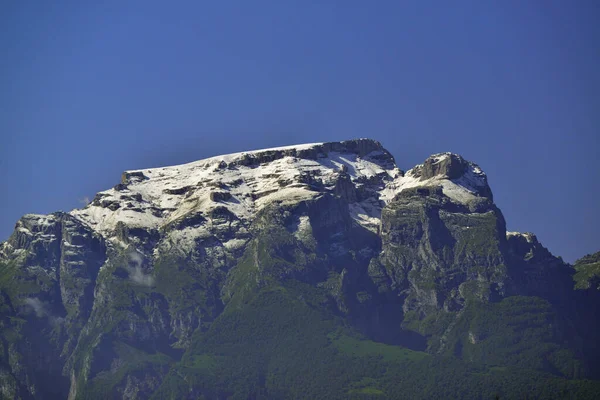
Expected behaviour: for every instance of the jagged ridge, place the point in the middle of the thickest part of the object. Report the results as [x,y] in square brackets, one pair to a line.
[244,183]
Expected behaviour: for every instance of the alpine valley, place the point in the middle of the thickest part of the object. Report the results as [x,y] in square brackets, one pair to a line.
[316,271]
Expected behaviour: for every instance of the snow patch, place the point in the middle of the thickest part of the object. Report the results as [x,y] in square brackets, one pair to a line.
[234,244]
[366,214]
[303,228]
[529,237]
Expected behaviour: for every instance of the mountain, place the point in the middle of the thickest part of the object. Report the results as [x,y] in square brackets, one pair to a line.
[309,271]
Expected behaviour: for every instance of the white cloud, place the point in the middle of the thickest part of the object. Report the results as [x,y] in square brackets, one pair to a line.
[139,277]
[41,310]
[38,307]
[136,258]
[136,273]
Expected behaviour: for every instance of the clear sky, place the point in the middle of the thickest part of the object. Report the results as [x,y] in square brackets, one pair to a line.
[88,91]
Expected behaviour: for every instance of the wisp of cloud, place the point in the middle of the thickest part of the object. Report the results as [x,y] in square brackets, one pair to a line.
[136,273]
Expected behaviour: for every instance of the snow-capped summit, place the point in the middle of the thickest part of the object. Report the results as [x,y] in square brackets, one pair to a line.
[241,182]
[360,170]
[461,180]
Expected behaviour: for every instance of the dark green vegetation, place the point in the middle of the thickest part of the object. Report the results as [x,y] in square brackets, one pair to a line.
[438,303]
[281,345]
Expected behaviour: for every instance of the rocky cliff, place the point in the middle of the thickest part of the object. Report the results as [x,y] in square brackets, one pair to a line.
[104,301]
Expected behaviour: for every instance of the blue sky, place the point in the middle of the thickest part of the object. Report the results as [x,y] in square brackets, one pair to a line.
[89,90]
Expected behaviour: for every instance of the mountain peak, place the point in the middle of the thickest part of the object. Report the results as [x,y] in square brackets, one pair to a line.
[243,183]
[361,171]
[447,166]
[457,176]
[360,147]
[319,243]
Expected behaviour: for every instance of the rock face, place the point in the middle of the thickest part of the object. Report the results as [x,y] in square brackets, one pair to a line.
[588,271]
[439,253]
[103,301]
[537,271]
